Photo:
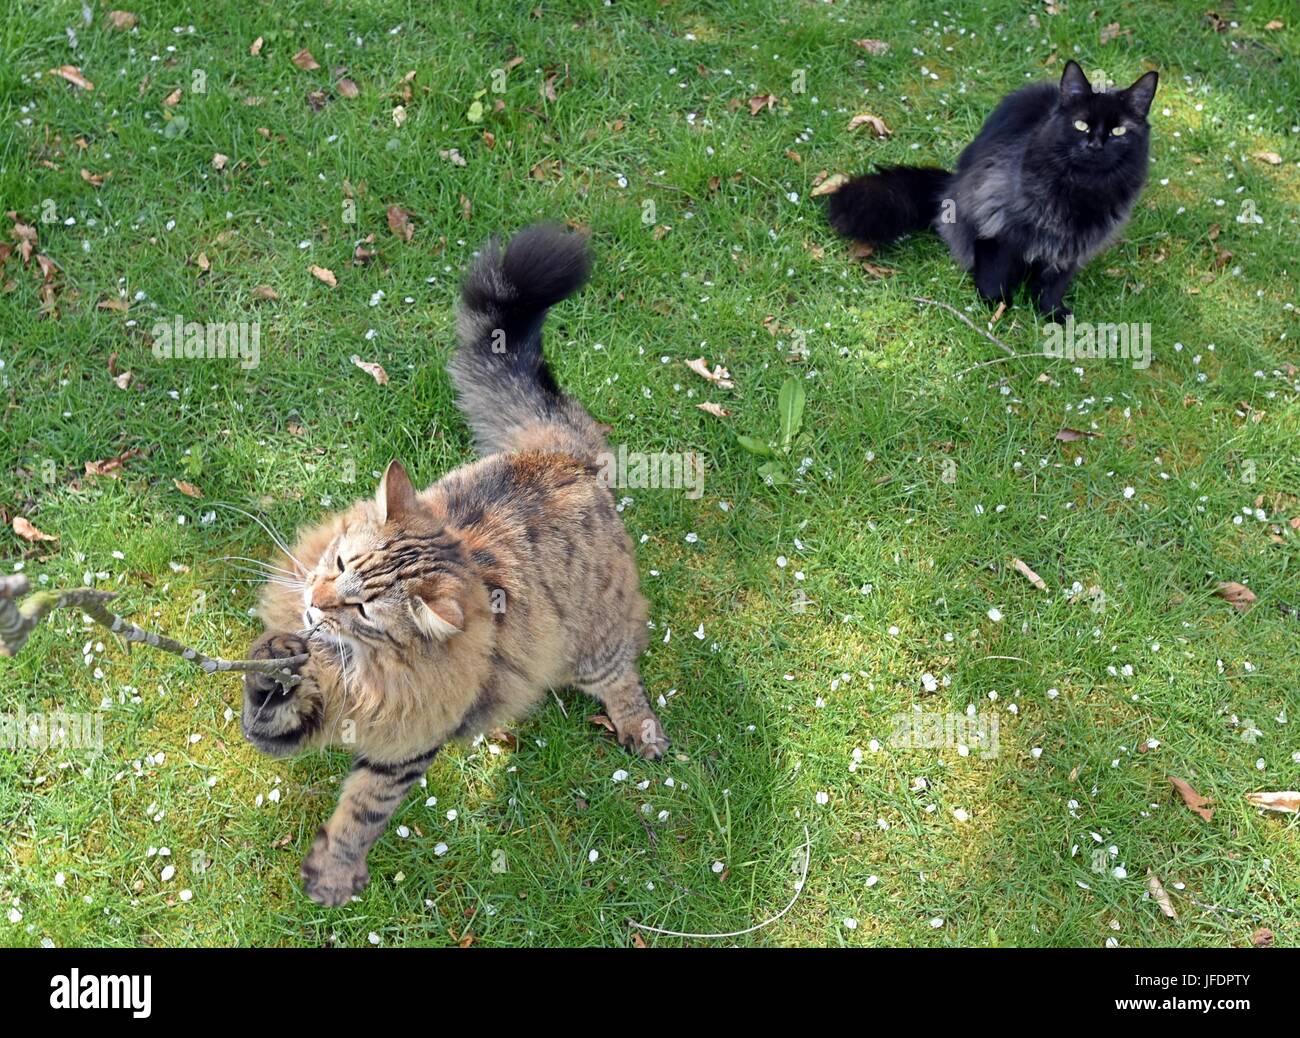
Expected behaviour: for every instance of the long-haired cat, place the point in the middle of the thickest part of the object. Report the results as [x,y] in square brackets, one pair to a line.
[1045,186]
[438,615]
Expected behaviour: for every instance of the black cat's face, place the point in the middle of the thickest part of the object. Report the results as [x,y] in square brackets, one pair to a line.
[1100,132]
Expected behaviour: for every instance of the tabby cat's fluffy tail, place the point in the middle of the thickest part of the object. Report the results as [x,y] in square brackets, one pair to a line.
[878,208]
[504,387]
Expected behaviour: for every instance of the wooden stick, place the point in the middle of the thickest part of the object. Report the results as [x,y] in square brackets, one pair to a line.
[962,317]
[18,621]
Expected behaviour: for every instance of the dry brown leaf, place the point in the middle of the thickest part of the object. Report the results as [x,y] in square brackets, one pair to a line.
[717,410]
[305,61]
[1238,595]
[548,88]
[347,88]
[202,262]
[466,207]
[1110,32]
[265,293]
[760,102]
[376,371]
[1263,937]
[323,274]
[829,185]
[255,48]
[638,941]
[399,222]
[1160,896]
[1287,802]
[219,161]
[399,116]
[123,380]
[173,99]
[122,21]
[1029,575]
[873,47]
[1275,24]
[94,179]
[1068,435]
[110,466]
[188,489]
[867,119]
[73,75]
[1271,157]
[118,305]
[24,529]
[1193,799]
[719,376]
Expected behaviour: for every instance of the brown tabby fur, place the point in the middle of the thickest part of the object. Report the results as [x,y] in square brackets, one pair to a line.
[438,615]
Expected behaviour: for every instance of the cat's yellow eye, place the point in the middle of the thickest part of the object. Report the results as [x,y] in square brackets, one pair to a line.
[1080,125]
[1119,131]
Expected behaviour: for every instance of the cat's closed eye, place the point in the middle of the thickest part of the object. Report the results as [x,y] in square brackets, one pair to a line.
[339,560]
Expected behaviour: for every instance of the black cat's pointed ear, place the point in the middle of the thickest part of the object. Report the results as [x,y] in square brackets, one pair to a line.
[1142,93]
[396,496]
[1074,84]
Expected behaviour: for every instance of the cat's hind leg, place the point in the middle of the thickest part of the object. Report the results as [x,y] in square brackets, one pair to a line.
[617,684]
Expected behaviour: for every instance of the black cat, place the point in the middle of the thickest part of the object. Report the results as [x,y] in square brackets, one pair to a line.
[1046,185]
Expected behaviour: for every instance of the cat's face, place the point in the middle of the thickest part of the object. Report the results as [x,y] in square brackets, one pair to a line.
[387,580]
[1098,132]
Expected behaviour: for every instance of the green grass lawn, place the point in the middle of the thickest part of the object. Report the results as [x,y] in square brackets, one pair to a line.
[793,621]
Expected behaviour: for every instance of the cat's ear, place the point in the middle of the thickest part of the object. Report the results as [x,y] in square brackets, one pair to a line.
[1140,95]
[440,618]
[1074,84]
[396,496]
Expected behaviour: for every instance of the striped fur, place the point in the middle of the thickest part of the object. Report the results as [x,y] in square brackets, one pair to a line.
[438,615]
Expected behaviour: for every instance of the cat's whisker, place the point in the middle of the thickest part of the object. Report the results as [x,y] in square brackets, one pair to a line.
[279,541]
[257,562]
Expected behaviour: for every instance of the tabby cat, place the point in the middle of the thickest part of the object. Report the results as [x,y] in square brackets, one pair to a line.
[1046,185]
[441,614]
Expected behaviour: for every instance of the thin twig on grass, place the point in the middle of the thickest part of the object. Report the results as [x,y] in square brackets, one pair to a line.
[17,621]
[967,321]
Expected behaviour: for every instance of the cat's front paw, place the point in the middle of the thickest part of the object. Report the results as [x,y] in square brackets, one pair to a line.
[643,736]
[330,877]
[273,646]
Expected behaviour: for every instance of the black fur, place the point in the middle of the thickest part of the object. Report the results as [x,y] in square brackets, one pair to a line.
[1033,197]
[884,206]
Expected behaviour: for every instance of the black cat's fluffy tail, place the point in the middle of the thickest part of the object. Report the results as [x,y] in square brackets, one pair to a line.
[881,207]
[504,386]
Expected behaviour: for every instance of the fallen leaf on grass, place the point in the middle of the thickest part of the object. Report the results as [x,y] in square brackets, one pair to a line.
[116,305]
[24,529]
[719,376]
[265,293]
[1029,575]
[1271,157]
[305,61]
[1288,801]
[867,119]
[110,466]
[255,48]
[347,88]
[717,410]
[219,161]
[1237,595]
[122,21]
[1262,938]
[94,179]
[1275,24]
[1070,435]
[399,222]
[399,116]
[1160,896]
[1193,799]
[829,185]
[376,371]
[188,489]
[873,47]
[1110,32]
[73,75]
[760,102]
[323,274]
[123,380]
[173,99]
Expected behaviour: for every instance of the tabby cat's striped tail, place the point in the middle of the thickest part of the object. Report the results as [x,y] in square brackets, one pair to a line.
[504,387]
